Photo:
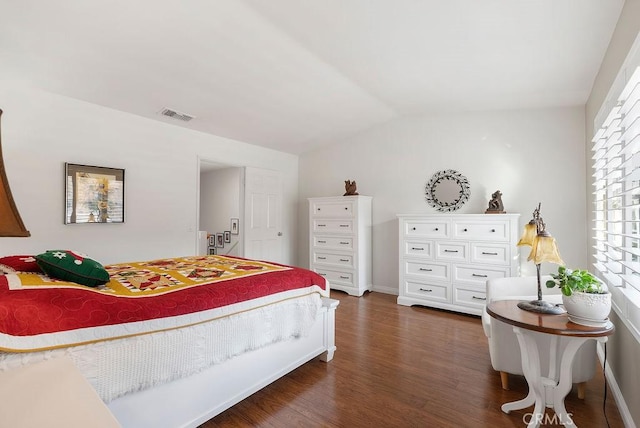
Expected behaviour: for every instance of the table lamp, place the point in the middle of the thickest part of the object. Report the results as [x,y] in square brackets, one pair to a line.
[543,249]
[10,221]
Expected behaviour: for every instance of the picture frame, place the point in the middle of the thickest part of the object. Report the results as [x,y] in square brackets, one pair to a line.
[235,226]
[212,240]
[212,251]
[219,240]
[227,236]
[93,194]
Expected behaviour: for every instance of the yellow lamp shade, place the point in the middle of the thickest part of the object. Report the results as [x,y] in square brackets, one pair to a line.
[545,249]
[529,234]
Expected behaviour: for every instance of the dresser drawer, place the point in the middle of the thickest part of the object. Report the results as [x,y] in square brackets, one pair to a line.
[342,260]
[489,253]
[426,229]
[482,230]
[333,209]
[435,292]
[333,242]
[478,275]
[452,251]
[469,297]
[336,276]
[423,249]
[332,226]
[427,271]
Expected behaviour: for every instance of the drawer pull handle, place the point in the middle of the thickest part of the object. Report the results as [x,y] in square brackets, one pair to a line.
[322,225]
[436,229]
[344,277]
[323,274]
[478,298]
[413,228]
[427,290]
[493,230]
[464,230]
[489,254]
[345,260]
[322,258]
[318,209]
[478,275]
[344,225]
[417,248]
[344,243]
[322,242]
[346,208]
[450,251]
[426,270]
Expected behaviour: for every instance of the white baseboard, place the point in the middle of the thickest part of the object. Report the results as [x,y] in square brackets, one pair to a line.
[615,391]
[385,290]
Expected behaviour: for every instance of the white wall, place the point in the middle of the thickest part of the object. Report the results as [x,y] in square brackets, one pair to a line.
[41,131]
[220,191]
[530,155]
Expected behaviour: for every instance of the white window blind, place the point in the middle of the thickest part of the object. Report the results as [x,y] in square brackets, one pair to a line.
[616,164]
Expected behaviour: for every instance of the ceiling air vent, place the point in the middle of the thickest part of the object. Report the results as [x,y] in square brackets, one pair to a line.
[176,115]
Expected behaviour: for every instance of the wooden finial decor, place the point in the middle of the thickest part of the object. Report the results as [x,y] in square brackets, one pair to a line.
[350,187]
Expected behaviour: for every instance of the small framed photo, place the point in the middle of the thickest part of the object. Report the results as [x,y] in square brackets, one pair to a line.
[219,240]
[212,240]
[212,251]
[227,236]
[235,226]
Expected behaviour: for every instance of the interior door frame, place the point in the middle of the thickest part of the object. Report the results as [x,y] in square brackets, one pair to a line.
[199,161]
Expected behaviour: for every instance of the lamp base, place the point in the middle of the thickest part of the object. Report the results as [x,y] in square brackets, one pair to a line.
[541,307]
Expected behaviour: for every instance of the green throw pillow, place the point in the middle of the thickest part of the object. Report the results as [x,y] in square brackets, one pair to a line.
[71,266]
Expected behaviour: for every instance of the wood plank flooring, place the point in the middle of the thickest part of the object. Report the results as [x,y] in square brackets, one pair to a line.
[399,366]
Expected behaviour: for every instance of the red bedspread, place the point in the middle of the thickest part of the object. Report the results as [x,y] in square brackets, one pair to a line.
[28,312]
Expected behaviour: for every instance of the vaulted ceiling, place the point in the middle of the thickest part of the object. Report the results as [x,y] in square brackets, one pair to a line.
[295,74]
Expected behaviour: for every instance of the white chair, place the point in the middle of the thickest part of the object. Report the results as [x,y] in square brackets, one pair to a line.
[503,343]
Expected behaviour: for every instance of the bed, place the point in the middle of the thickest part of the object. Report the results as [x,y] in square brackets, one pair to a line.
[171,342]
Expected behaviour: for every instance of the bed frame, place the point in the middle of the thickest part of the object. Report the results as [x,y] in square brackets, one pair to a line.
[191,401]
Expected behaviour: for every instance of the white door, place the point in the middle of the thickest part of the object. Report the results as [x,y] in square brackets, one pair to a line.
[262,214]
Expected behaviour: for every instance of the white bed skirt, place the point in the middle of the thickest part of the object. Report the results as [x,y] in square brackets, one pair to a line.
[122,366]
[193,400]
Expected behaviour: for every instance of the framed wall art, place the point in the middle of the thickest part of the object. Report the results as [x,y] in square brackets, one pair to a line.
[93,194]
[235,226]
[227,236]
[219,240]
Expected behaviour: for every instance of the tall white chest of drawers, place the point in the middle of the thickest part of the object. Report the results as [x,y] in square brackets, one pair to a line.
[446,259]
[340,241]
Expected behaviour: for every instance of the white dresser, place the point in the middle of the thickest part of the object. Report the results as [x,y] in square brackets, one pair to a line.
[340,241]
[446,259]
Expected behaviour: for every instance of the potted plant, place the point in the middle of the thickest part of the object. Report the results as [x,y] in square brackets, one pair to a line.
[585,297]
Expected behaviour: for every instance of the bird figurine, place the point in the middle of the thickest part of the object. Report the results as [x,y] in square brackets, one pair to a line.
[495,204]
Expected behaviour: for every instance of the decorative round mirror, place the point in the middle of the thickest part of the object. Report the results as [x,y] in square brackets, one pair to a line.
[447,190]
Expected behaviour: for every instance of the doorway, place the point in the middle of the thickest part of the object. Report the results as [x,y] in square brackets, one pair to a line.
[221,190]
[242,207]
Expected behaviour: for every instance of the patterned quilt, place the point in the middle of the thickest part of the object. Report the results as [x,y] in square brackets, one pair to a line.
[183,290]
[141,279]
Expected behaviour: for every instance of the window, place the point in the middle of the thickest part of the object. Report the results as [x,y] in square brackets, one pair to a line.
[616,165]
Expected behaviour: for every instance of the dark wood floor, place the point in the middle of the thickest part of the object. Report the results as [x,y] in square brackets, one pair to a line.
[400,366]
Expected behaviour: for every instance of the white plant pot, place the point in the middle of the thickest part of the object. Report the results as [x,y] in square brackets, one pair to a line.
[588,308]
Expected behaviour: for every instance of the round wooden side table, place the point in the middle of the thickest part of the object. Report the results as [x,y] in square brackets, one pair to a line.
[551,390]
